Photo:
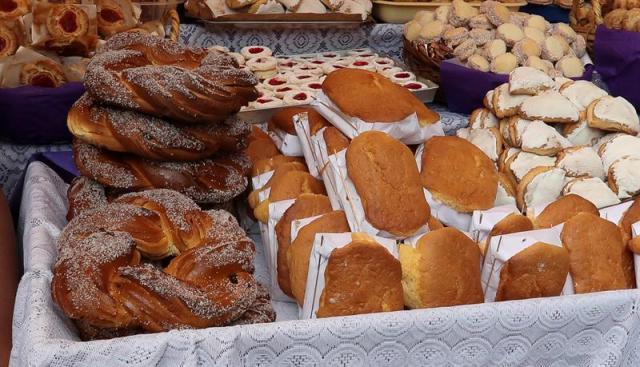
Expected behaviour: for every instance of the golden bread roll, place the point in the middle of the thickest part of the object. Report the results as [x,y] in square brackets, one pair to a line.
[283,120]
[521,277]
[386,178]
[354,283]
[630,216]
[270,164]
[306,205]
[459,174]
[299,252]
[257,134]
[564,209]
[599,259]
[443,270]
[261,149]
[288,186]
[335,140]
[373,98]
[280,170]
[434,223]
[512,223]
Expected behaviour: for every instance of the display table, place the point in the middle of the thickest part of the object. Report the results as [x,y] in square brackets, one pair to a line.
[601,329]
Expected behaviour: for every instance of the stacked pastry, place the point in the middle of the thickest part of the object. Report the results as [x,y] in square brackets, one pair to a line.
[552,137]
[497,40]
[47,44]
[209,10]
[161,115]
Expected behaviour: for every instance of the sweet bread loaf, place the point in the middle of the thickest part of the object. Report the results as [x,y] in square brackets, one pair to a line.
[521,163]
[280,170]
[630,216]
[392,102]
[580,161]
[616,147]
[353,284]
[84,194]
[582,93]
[540,270]
[506,104]
[530,81]
[482,118]
[472,185]
[581,133]
[151,137]
[623,177]
[305,206]
[488,140]
[542,139]
[442,270]
[512,223]
[335,140]
[271,164]
[592,189]
[213,180]
[260,149]
[299,251]
[599,259]
[385,175]
[562,210]
[613,114]
[540,186]
[158,77]
[283,120]
[549,106]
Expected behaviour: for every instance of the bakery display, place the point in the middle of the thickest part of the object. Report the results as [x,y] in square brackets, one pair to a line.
[492,38]
[136,129]
[623,19]
[208,281]
[279,10]
[553,136]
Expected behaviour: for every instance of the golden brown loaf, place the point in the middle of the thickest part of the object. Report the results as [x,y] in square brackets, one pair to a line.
[151,137]
[299,252]
[512,223]
[521,276]
[272,163]
[335,140]
[599,259]
[164,79]
[213,180]
[371,97]
[283,120]
[305,206]
[260,149]
[353,281]
[564,209]
[631,216]
[459,174]
[443,270]
[280,170]
[386,178]
[100,282]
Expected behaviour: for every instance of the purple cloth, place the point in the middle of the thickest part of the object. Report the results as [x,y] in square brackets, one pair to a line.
[465,88]
[618,62]
[37,115]
[61,162]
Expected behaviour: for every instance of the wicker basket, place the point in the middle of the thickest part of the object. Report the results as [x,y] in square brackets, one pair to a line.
[424,59]
[585,18]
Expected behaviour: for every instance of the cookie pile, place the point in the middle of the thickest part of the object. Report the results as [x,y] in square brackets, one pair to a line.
[553,136]
[494,39]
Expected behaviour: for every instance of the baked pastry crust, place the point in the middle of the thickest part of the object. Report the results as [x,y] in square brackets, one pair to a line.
[613,114]
[42,73]
[384,173]
[442,270]
[564,209]
[335,140]
[283,120]
[459,174]
[368,89]
[353,284]
[599,259]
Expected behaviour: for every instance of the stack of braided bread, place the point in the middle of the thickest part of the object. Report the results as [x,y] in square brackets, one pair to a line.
[161,115]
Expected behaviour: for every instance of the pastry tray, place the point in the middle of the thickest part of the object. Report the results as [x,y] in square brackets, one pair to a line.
[402,12]
[262,115]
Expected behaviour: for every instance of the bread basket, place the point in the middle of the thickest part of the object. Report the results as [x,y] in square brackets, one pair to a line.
[424,58]
[585,18]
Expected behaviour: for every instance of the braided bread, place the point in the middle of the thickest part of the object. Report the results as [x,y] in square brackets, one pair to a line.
[102,281]
[214,180]
[151,137]
[161,78]
[84,194]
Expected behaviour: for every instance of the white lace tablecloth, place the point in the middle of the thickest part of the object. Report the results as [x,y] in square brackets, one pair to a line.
[589,330]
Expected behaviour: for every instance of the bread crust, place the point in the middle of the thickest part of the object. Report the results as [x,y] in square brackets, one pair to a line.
[459,174]
[335,140]
[283,120]
[385,175]
[564,209]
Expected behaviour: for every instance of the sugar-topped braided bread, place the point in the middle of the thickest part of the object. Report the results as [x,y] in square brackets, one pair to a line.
[152,137]
[214,180]
[159,77]
[104,281]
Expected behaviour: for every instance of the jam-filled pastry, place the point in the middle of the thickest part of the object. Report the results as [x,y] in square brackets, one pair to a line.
[114,16]
[12,9]
[66,22]
[8,41]
[42,73]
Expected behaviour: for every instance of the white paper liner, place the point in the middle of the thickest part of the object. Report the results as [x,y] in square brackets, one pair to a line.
[321,155]
[258,182]
[351,202]
[287,144]
[323,245]
[502,248]
[483,221]
[301,124]
[407,130]
[635,231]
[276,211]
[296,226]
[447,215]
